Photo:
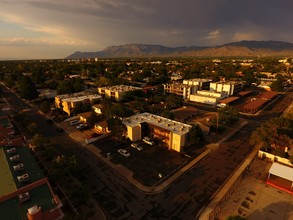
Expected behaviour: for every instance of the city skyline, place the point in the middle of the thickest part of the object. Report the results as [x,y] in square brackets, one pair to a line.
[44,29]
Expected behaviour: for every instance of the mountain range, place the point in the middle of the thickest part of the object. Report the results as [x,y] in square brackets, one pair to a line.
[235,49]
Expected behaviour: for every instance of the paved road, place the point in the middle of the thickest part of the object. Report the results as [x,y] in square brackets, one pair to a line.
[182,200]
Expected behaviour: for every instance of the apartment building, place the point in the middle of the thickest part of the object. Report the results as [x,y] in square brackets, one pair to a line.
[115,92]
[230,87]
[179,89]
[25,192]
[201,84]
[68,102]
[171,132]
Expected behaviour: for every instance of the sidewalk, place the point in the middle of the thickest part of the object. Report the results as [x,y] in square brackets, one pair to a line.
[128,175]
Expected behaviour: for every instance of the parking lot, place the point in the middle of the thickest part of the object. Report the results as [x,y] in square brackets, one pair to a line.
[150,165]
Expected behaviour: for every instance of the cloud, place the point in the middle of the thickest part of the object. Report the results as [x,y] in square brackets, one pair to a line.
[213,34]
[95,24]
[22,41]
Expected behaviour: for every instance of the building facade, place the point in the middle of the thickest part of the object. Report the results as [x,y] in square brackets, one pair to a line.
[228,87]
[116,92]
[68,102]
[201,84]
[173,133]
[208,97]
[180,89]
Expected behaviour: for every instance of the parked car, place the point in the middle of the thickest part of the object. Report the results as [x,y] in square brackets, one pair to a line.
[148,140]
[124,152]
[74,122]
[82,127]
[137,146]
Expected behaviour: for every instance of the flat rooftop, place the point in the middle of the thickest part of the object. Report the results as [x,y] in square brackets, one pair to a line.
[81,98]
[167,124]
[30,166]
[198,80]
[7,184]
[40,195]
[37,186]
[228,83]
[120,88]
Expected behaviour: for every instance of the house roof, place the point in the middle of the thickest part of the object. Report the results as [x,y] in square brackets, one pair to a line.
[229,99]
[282,171]
[102,124]
[269,95]
[255,104]
[243,93]
[85,114]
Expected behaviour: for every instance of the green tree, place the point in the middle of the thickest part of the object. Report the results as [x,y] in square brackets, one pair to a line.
[195,135]
[64,87]
[167,114]
[278,85]
[173,101]
[228,115]
[38,141]
[45,106]
[236,217]
[93,119]
[26,88]
[116,127]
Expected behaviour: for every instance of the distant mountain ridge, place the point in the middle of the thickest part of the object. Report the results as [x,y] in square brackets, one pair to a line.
[241,48]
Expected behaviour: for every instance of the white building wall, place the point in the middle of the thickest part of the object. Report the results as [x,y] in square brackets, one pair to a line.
[213,86]
[210,94]
[204,99]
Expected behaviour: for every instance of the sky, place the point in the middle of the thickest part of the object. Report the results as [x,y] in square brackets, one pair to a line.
[49,29]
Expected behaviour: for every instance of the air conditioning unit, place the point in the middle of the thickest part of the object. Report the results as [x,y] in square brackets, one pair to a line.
[24,197]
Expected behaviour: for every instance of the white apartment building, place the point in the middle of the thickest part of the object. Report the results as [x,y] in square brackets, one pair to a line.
[201,84]
[115,92]
[173,133]
[179,89]
[230,87]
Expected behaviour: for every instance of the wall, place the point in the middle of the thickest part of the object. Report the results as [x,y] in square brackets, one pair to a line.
[273,158]
[204,99]
[134,133]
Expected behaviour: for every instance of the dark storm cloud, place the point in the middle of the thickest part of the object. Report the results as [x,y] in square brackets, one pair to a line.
[101,23]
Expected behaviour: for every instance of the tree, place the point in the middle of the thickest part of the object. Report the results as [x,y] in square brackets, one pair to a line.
[45,106]
[64,87]
[32,128]
[27,88]
[276,132]
[228,115]
[236,217]
[173,101]
[39,141]
[116,127]
[278,84]
[195,135]
[167,114]
[93,119]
